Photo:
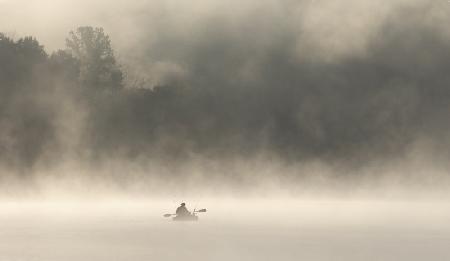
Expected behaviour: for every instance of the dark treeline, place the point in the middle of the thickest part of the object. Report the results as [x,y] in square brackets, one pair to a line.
[355,109]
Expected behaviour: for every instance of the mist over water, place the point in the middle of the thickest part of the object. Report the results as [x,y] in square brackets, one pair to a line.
[310,130]
[253,230]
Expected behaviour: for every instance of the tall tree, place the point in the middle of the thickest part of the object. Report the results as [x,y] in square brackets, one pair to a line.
[98,67]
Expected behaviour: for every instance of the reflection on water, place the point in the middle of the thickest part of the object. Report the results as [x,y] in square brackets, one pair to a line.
[263,230]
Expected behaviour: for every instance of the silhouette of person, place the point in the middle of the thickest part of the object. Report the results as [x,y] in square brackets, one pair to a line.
[182,210]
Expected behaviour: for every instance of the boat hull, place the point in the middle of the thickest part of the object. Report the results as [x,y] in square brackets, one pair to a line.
[185,218]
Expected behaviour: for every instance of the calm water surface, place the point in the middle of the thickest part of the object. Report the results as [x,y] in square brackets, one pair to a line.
[272,230]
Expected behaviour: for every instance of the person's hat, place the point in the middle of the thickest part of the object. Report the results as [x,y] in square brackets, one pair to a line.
[183,204]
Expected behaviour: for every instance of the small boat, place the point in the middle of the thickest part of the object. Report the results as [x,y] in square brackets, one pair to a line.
[185,218]
[190,217]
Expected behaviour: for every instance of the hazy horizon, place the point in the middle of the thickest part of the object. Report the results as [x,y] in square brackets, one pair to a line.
[309,130]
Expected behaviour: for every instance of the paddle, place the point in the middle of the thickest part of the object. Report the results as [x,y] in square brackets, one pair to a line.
[195,211]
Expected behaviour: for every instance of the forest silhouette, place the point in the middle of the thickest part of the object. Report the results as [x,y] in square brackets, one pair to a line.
[356,110]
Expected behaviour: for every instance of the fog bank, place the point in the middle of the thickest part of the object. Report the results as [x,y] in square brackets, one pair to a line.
[273,95]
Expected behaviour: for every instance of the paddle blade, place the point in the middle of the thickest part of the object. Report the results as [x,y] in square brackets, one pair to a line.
[202,210]
[167,215]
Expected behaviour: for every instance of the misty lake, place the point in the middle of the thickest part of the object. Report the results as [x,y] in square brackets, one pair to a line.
[263,230]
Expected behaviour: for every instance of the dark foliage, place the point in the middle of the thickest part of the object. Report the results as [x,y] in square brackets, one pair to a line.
[359,109]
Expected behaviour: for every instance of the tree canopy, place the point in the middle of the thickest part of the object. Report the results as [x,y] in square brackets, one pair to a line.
[97,64]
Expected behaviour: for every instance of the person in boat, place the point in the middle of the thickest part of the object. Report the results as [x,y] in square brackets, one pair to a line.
[182,210]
